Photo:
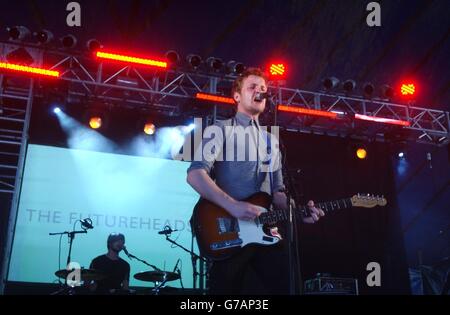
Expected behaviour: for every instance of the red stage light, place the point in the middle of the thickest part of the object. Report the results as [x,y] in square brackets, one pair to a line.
[306,111]
[27,69]
[277,70]
[383,120]
[214,98]
[131,59]
[408,89]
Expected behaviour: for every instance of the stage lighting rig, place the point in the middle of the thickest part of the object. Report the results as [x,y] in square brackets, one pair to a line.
[214,64]
[235,67]
[330,83]
[194,61]
[368,90]
[68,41]
[44,37]
[387,91]
[18,33]
[349,86]
[93,45]
[173,58]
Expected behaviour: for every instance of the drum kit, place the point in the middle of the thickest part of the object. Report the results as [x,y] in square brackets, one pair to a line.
[74,277]
[158,277]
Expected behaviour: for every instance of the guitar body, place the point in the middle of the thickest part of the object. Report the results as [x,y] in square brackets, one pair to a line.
[220,235]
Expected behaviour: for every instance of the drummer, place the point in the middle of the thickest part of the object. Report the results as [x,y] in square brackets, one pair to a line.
[116,270]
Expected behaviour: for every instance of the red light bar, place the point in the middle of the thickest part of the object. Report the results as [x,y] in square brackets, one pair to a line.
[15,67]
[383,120]
[130,59]
[214,98]
[306,111]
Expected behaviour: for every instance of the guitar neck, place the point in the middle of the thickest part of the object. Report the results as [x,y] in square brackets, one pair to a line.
[282,215]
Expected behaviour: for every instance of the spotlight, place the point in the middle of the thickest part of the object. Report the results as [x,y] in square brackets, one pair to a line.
[349,86]
[408,89]
[277,70]
[69,41]
[93,45]
[172,57]
[399,147]
[194,60]
[18,32]
[387,91]
[235,67]
[361,153]
[176,136]
[95,122]
[149,128]
[187,129]
[214,63]
[330,83]
[368,89]
[43,37]
[57,110]
[96,115]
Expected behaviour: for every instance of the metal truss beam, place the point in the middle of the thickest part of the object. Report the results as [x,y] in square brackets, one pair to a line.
[168,90]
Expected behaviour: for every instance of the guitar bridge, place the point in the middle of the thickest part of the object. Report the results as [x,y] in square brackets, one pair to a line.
[227,225]
[226,244]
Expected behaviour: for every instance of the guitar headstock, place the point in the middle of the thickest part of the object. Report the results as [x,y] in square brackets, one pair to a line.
[368,201]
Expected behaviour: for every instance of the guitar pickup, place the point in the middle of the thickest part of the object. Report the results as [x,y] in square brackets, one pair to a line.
[227,225]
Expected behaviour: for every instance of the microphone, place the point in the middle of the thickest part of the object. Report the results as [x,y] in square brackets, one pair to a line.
[167,230]
[126,252]
[86,223]
[259,97]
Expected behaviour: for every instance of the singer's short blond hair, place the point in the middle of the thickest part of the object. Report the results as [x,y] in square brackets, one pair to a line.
[237,84]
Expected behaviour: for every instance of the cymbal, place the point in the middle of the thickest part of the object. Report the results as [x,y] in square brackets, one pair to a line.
[157,276]
[85,274]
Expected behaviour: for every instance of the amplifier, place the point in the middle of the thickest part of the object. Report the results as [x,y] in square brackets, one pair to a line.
[324,284]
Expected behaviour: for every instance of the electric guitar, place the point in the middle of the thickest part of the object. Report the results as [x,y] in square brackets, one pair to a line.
[220,235]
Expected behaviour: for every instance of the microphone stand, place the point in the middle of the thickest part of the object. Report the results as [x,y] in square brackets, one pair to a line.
[144,262]
[291,195]
[194,258]
[157,287]
[71,236]
[294,260]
